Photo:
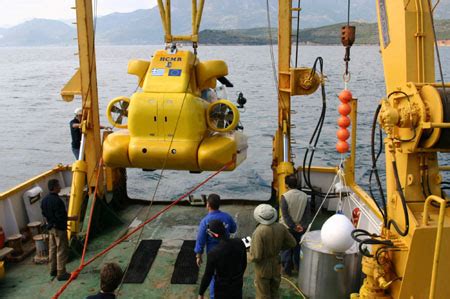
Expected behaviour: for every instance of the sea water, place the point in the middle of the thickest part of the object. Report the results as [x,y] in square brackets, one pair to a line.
[34,121]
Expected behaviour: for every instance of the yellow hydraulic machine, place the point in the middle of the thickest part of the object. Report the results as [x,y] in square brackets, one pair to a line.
[410,259]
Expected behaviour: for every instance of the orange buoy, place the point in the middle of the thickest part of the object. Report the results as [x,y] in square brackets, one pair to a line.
[356,214]
[344,109]
[342,134]
[343,121]
[345,96]
[342,146]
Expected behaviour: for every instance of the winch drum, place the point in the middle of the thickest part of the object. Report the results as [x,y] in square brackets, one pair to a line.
[444,140]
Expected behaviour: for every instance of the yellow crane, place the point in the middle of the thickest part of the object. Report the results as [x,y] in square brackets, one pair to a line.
[84,84]
[414,116]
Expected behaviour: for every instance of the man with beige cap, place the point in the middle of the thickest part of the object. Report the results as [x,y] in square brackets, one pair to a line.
[268,240]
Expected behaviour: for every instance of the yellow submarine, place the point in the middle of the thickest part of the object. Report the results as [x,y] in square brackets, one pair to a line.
[167,124]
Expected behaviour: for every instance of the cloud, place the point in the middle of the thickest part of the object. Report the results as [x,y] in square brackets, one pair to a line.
[17,11]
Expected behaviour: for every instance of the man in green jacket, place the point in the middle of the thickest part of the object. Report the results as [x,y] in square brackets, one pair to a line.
[268,240]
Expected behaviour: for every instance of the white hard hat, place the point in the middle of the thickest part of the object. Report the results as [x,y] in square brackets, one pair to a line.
[265,214]
[78,111]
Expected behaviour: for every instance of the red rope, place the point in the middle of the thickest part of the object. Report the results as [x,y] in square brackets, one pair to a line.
[91,212]
[118,241]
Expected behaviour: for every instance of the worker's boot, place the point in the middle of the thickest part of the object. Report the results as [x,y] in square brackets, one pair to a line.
[63,276]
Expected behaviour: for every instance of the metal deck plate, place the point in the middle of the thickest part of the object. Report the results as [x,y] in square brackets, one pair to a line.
[142,261]
[186,269]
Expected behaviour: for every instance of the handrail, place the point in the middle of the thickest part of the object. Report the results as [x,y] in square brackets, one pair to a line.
[436,84]
[437,247]
[430,125]
[33,181]
[349,167]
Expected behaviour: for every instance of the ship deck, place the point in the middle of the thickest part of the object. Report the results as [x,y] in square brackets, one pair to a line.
[28,280]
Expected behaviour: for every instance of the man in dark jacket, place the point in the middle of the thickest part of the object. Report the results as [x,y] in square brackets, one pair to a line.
[75,132]
[203,239]
[54,211]
[227,262]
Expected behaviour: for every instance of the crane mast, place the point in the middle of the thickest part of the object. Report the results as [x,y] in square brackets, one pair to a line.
[84,83]
[292,81]
[414,118]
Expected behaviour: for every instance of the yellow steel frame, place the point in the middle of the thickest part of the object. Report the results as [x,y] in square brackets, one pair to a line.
[349,169]
[282,162]
[406,40]
[291,82]
[197,11]
[440,227]
[84,83]
[88,73]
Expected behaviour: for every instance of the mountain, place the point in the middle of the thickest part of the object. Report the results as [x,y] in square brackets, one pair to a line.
[38,32]
[144,26]
[138,27]
[366,33]
[252,36]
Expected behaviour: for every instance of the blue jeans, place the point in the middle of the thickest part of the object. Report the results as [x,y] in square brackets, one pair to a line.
[291,258]
[211,288]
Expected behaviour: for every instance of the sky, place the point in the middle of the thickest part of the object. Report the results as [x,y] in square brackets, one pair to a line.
[13,12]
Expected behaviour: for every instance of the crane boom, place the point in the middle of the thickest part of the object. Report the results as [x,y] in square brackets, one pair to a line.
[413,115]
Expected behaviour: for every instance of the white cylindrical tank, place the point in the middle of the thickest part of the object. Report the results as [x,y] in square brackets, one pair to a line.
[32,200]
[324,274]
[336,233]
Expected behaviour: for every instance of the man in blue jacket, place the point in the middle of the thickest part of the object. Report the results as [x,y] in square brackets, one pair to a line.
[212,204]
